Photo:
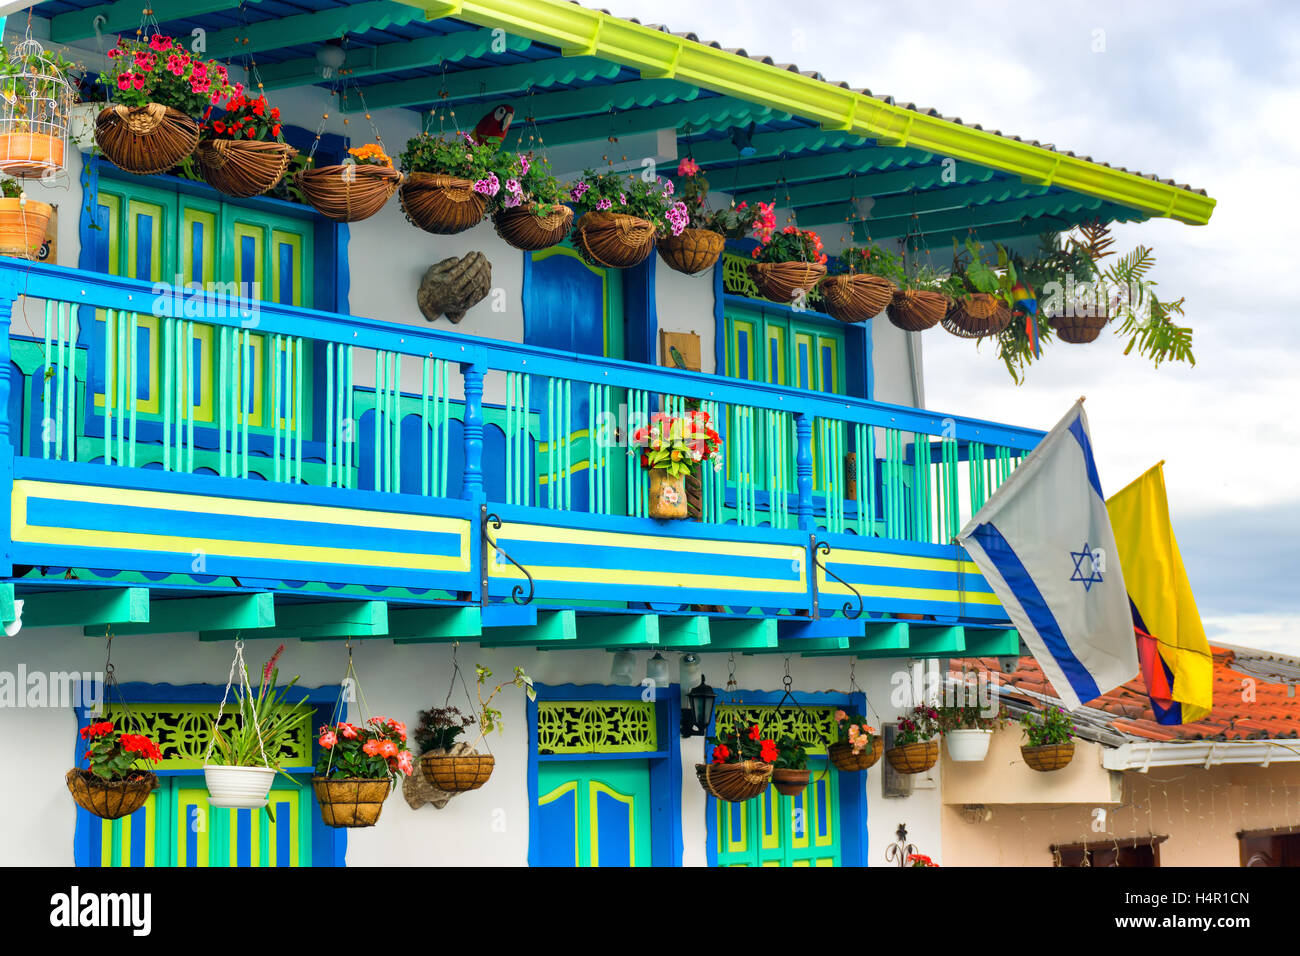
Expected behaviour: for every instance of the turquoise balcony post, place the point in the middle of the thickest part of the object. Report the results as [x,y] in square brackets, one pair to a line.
[803,460]
[472,486]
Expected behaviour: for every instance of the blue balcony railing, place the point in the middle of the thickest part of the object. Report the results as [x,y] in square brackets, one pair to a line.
[190,433]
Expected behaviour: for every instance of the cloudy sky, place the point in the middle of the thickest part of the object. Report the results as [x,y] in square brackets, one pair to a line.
[1207,94]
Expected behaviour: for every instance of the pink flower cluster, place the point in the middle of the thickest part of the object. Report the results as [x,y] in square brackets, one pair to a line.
[679,217]
[488,186]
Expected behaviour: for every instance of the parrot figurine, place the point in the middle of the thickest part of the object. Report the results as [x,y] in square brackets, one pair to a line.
[493,126]
[1024,302]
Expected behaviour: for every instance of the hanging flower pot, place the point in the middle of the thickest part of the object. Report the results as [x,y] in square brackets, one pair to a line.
[734,782]
[915,310]
[113,786]
[967,745]
[693,252]
[243,169]
[667,495]
[145,139]
[784,281]
[22,226]
[440,204]
[1048,757]
[856,298]
[35,105]
[356,768]
[458,773]
[916,741]
[614,240]
[914,758]
[848,760]
[242,788]
[619,217]
[857,745]
[524,229]
[791,783]
[1079,329]
[351,192]
[977,315]
[350,801]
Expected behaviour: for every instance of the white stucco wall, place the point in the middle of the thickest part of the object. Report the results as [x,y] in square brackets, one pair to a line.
[488,827]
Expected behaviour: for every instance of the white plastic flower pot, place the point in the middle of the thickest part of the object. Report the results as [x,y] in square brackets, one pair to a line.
[81,124]
[967,746]
[238,788]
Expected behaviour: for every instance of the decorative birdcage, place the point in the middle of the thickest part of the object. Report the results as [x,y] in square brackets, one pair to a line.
[35,105]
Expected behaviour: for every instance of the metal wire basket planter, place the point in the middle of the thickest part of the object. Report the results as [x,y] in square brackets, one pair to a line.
[843,757]
[110,799]
[1048,757]
[145,139]
[693,252]
[35,109]
[1079,329]
[350,801]
[914,758]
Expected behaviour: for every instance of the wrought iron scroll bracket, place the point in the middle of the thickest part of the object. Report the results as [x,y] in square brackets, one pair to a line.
[848,610]
[491,547]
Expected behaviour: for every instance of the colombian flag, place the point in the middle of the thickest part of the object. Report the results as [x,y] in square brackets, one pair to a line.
[1175,656]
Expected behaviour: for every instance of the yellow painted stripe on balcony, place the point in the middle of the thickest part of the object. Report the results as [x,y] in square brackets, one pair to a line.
[831,586]
[618,539]
[910,562]
[625,577]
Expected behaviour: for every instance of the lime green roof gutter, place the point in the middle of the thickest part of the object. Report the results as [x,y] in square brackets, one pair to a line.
[579,31]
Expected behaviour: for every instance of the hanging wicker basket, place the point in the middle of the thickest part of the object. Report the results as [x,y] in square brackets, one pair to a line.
[1048,757]
[693,252]
[1079,329]
[845,759]
[977,315]
[348,193]
[522,228]
[856,298]
[914,758]
[915,310]
[782,281]
[145,139]
[22,227]
[442,205]
[243,168]
[457,774]
[734,782]
[350,801]
[110,800]
[614,239]
[791,783]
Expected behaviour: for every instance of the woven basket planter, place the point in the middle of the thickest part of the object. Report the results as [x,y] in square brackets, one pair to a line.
[442,205]
[856,298]
[348,193]
[22,227]
[915,310]
[1048,756]
[845,759]
[145,139]
[457,774]
[1079,329]
[693,252]
[976,316]
[790,782]
[243,169]
[350,801]
[110,801]
[782,281]
[614,239]
[525,230]
[734,782]
[914,758]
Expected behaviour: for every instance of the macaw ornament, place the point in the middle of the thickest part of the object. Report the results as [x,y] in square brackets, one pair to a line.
[1024,302]
[494,125]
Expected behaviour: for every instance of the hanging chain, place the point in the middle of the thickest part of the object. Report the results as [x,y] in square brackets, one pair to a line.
[245,695]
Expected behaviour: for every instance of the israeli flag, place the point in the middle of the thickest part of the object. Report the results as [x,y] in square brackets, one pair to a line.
[1044,543]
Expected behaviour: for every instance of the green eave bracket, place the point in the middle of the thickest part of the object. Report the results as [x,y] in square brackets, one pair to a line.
[579,31]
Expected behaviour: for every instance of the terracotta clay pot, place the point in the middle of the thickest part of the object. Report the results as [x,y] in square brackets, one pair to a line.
[790,782]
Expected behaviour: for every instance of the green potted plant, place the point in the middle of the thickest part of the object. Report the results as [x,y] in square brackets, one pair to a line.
[244,153]
[967,731]
[113,784]
[357,766]
[435,732]
[23,221]
[741,765]
[450,181]
[460,772]
[671,447]
[36,101]
[160,93]
[531,214]
[790,768]
[916,744]
[856,746]
[242,761]
[863,283]
[923,298]
[984,308]
[620,216]
[788,264]
[1051,739]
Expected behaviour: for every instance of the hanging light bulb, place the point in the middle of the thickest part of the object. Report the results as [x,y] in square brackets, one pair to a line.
[657,670]
[621,670]
[688,674]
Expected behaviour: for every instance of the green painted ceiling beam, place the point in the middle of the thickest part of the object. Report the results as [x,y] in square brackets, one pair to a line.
[550,626]
[306,28]
[870,181]
[578,30]
[616,630]
[511,82]
[758,180]
[434,625]
[683,632]
[93,606]
[936,641]
[412,54]
[229,612]
[880,640]
[957,222]
[735,634]
[7,602]
[806,645]
[333,620]
[124,16]
[992,642]
[707,113]
[767,145]
[1030,228]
